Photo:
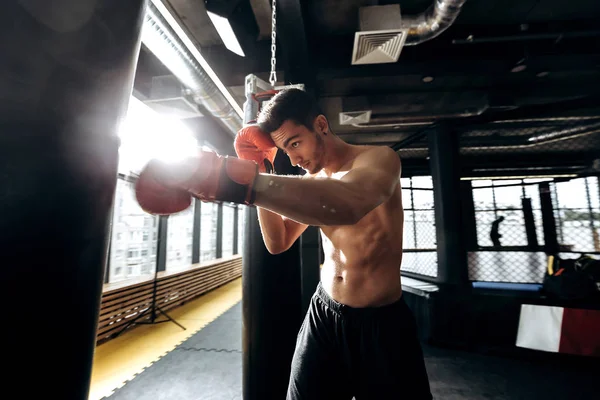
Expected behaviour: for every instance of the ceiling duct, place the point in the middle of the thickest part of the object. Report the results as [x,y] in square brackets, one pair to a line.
[398,110]
[161,40]
[168,96]
[383,32]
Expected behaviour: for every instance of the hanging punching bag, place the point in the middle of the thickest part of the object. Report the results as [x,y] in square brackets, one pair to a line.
[66,76]
[271,301]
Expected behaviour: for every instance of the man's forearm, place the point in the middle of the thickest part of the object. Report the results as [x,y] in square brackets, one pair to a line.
[272,228]
[311,201]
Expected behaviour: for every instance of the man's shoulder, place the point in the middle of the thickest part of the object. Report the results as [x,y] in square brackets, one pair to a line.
[379,150]
[375,154]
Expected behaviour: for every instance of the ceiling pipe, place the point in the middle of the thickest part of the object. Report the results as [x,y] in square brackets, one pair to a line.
[382,122]
[402,120]
[527,37]
[546,119]
[432,22]
[396,125]
[202,85]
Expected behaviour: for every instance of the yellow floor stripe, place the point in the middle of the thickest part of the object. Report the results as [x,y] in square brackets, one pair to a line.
[122,358]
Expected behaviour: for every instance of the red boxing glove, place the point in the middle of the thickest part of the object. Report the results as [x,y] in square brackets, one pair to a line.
[156,195]
[167,188]
[251,143]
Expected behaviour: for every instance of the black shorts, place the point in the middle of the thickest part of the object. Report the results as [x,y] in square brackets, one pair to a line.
[369,353]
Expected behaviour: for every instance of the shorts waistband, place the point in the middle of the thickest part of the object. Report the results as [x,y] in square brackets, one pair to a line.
[343,309]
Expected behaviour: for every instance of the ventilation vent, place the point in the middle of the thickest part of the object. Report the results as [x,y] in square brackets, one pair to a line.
[167,96]
[381,35]
[355,117]
[378,47]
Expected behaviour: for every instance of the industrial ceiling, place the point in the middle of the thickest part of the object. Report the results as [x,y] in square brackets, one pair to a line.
[519,79]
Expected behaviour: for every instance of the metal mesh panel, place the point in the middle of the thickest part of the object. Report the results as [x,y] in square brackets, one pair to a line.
[413,149]
[577,219]
[533,137]
[424,263]
[417,153]
[507,161]
[499,212]
[577,214]
[419,238]
[507,266]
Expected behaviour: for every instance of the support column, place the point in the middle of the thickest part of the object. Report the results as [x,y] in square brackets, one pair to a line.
[219,230]
[452,308]
[551,245]
[445,171]
[196,231]
[236,233]
[272,314]
[66,75]
[598,187]
[161,245]
[468,216]
[532,241]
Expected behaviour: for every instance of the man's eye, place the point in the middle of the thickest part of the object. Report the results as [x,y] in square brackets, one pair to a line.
[295,144]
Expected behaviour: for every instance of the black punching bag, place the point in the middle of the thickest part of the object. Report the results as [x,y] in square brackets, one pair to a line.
[272,308]
[66,75]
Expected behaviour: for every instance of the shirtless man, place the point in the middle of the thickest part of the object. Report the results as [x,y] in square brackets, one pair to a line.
[358,337]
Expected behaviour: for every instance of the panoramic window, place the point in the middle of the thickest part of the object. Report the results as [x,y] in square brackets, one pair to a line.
[145,134]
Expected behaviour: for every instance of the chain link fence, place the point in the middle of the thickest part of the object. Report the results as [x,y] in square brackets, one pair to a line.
[507,266]
[545,141]
[413,149]
[419,239]
[577,214]
[503,209]
[535,192]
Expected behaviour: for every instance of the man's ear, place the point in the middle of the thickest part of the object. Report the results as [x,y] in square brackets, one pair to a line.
[321,124]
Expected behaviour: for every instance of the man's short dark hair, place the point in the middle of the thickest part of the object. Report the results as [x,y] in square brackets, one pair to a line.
[289,104]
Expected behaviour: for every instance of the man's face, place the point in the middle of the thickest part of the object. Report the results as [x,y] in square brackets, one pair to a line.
[304,147]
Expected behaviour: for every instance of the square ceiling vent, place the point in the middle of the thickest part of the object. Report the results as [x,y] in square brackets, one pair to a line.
[378,47]
[355,117]
[381,35]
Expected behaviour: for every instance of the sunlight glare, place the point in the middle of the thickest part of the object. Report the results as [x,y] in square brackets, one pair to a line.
[145,135]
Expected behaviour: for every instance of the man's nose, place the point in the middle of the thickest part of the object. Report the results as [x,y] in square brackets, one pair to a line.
[295,160]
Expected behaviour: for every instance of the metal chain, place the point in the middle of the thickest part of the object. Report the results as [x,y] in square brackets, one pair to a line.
[273,75]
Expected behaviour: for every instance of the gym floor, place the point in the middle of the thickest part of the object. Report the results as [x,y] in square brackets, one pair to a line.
[162,361]
[135,352]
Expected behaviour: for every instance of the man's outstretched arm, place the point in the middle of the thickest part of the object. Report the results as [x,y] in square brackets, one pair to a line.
[325,201]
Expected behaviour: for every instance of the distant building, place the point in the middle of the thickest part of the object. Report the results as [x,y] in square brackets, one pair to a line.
[133,238]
